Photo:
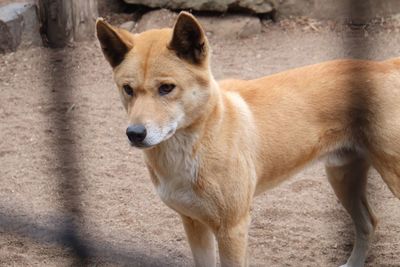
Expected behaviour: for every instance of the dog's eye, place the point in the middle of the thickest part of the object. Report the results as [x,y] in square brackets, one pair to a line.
[128,90]
[166,88]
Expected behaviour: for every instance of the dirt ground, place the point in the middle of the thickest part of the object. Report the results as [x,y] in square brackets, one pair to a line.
[63,151]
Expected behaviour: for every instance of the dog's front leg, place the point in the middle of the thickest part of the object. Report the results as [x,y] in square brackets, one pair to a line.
[201,240]
[232,243]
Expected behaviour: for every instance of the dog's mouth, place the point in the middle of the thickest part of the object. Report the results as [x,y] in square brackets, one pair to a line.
[140,145]
[152,143]
[170,133]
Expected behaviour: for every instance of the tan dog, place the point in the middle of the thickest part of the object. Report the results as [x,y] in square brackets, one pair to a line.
[211,147]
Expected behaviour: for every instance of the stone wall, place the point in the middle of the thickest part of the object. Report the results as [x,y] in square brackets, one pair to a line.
[19,22]
[359,10]
[255,6]
[354,10]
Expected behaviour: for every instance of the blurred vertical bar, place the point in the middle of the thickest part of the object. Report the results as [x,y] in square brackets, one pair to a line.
[359,17]
[357,45]
[64,21]
[69,174]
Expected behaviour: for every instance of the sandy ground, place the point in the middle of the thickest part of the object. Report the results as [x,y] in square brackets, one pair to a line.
[63,151]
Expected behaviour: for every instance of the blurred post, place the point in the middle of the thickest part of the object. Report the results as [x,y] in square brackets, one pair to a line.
[65,21]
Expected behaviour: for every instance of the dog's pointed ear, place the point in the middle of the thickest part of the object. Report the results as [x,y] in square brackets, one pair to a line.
[114,42]
[188,39]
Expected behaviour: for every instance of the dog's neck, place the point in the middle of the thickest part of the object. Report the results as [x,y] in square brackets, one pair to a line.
[185,143]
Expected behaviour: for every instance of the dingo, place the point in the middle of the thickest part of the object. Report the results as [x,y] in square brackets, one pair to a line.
[211,147]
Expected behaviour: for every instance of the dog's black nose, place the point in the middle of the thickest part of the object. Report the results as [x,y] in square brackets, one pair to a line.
[136,133]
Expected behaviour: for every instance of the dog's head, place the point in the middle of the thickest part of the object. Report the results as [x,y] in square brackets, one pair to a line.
[163,77]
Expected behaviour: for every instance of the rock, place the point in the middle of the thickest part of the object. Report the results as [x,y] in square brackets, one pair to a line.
[251,27]
[31,30]
[10,29]
[231,26]
[156,19]
[228,26]
[254,6]
[19,26]
[129,25]
[356,11]
[107,6]
[10,34]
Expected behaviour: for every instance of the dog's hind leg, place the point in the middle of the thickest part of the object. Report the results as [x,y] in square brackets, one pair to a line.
[389,169]
[392,179]
[202,242]
[347,173]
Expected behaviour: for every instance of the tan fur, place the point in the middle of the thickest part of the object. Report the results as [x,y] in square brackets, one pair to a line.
[236,139]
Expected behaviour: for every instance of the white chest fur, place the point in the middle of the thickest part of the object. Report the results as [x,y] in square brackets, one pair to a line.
[176,169]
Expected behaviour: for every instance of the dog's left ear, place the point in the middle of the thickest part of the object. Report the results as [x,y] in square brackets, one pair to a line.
[188,39]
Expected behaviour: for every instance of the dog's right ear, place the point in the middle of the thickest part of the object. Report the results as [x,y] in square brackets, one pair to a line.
[113,42]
